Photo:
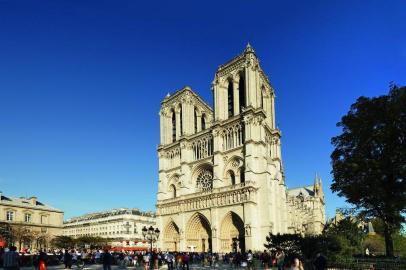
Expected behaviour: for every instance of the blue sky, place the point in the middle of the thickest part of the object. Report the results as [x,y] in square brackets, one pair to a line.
[81,84]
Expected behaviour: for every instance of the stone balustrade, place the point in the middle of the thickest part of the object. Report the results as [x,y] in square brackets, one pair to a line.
[229,195]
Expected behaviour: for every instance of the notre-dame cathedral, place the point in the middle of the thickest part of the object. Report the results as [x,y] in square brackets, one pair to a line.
[221,179]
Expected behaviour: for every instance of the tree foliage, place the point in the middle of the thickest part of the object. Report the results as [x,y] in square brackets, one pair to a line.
[369,159]
[348,237]
[63,242]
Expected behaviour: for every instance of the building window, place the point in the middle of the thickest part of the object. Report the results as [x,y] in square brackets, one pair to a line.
[10,216]
[195,121]
[242,175]
[230,92]
[173,191]
[44,219]
[27,217]
[203,121]
[241,91]
[173,126]
[232,178]
[181,120]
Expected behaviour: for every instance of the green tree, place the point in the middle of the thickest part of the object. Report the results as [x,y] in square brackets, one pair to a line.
[288,243]
[63,242]
[90,241]
[369,159]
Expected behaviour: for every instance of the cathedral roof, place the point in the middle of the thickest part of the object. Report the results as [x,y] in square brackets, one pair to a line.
[184,90]
[305,191]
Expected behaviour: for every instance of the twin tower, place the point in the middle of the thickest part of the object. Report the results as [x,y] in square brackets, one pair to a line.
[221,181]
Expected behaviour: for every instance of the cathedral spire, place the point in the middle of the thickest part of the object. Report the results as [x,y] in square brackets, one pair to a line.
[316,183]
[249,49]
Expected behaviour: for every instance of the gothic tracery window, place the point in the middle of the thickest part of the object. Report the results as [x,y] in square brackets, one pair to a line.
[205,181]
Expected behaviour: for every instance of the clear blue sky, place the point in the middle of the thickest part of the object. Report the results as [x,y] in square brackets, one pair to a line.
[81,84]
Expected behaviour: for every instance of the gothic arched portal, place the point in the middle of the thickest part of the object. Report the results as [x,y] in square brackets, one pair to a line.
[198,234]
[171,237]
[232,233]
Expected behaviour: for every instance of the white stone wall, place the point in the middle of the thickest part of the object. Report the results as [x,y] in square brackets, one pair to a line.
[239,152]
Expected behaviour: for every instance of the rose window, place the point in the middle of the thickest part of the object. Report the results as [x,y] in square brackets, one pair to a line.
[205,181]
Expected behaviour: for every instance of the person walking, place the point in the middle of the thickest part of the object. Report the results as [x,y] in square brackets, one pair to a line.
[42,260]
[107,259]
[11,259]
[67,259]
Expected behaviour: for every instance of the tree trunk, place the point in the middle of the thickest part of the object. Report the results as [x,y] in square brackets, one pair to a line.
[388,241]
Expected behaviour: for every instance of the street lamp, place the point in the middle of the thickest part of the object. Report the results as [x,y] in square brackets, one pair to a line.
[150,234]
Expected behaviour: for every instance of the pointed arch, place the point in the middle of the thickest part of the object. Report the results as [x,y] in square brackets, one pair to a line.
[232,233]
[171,236]
[230,177]
[172,190]
[198,233]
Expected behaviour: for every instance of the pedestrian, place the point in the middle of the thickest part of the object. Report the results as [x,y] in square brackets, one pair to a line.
[107,259]
[67,259]
[250,260]
[280,259]
[296,265]
[42,260]
[169,260]
[11,259]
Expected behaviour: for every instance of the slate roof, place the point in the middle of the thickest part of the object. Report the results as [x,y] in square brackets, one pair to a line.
[26,203]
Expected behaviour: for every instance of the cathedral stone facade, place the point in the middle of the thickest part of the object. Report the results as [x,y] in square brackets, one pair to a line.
[221,179]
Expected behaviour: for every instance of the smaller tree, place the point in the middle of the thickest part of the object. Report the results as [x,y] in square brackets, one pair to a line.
[62,241]
[288,243]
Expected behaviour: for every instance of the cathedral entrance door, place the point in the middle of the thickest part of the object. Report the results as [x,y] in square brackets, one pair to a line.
[232,234]
[198,233]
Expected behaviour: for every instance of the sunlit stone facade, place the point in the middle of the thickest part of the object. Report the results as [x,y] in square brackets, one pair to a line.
[120,227]
[221,179]
[33,223]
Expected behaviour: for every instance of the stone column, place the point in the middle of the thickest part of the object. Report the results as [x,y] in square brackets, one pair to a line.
[178,132]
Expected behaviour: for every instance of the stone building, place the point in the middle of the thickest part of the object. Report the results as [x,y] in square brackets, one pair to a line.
[221,179]
[120,227]
[33,224]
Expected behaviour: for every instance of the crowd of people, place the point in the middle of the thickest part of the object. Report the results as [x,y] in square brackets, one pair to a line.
[71,257]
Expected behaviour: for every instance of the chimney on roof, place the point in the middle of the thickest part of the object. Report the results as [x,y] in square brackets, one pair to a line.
[33,200]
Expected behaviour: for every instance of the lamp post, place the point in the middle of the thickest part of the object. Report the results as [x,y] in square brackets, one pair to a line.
[151,234]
